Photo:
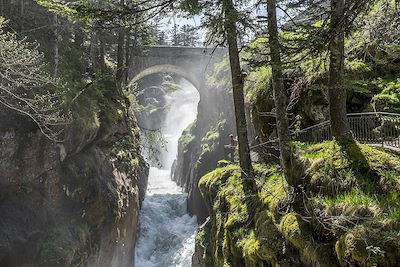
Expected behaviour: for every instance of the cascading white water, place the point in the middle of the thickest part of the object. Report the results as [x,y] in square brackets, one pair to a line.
[166,231]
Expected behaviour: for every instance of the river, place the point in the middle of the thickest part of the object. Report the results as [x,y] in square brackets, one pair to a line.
[166,231]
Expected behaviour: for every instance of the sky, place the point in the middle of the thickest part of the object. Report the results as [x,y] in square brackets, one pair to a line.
[168,22]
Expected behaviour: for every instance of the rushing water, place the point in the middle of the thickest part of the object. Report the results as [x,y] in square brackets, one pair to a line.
[166,231]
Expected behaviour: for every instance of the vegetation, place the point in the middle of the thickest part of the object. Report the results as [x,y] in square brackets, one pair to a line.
[25,87]
[350,212]
[333,203]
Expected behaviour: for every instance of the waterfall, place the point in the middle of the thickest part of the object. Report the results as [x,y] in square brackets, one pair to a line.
[166,231]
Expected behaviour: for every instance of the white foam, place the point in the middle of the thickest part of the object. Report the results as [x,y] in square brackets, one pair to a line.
[166,231]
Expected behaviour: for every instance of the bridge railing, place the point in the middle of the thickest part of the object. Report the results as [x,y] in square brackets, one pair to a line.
[370,128]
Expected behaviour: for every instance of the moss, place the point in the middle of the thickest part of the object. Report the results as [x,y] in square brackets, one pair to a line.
[272,244]
[126,153]
[251,248]
[291,230]
[353,192]
[368,246]
[261,78]
[209,142]
[187,135]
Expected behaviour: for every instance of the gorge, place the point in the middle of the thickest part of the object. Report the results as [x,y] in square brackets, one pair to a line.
[166,231]
[116,122]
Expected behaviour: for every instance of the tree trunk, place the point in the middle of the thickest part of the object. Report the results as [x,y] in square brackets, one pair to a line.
[238,94]
[101,59]
[22,15]
[93,51]
[120,55]
[337,92]
[282,124]
[175,41]
[78,36]
[127,53]
[56,51]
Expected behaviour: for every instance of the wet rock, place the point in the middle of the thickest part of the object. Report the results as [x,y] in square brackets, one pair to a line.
[74,203]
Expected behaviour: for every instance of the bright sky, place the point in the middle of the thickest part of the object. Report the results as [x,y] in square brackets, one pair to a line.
[168,22]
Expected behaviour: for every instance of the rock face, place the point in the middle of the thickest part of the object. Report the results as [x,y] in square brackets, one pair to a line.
[74,203]
[195,159]
[202,143]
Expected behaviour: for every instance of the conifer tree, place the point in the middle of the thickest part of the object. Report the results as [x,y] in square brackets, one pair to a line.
[223,19]
[282,123]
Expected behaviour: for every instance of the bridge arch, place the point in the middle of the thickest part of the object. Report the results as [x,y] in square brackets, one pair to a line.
[190,63]
[171,69]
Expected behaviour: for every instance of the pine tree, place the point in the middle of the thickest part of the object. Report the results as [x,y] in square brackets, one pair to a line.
[223,19]
[337,91]
[282,123]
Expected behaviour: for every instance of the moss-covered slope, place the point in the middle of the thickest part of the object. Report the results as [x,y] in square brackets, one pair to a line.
[349,214]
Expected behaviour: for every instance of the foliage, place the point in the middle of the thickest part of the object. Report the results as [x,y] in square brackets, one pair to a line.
[258,80]
[108,14]
[26,88]
[213,18]
[389,97]
[185,35]
[376,38]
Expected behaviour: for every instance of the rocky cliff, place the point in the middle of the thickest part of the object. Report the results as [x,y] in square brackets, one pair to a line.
[202,143]
[73,203]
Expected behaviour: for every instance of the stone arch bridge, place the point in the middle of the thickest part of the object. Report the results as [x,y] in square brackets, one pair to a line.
[191,63]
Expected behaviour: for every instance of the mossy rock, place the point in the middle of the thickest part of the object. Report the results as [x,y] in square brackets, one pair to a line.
[366,245]
[352,198]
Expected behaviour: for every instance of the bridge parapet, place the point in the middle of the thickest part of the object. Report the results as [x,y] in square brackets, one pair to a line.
[191,63]
[182,51]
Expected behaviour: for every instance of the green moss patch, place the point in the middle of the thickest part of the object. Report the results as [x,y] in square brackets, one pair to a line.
[350,216]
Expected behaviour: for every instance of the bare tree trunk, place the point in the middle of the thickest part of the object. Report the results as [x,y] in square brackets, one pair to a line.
[93,51]
[120,55]
[337,92]
[127,53]
[56,50]
[282,124]
[238,95]
[101,57]
[175,41]
[78,36]
[22,15]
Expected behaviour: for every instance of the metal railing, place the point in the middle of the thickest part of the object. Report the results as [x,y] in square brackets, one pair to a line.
[369,128]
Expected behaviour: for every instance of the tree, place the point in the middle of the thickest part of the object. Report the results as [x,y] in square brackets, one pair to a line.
[120,52]
[337,91]
[109,14]
[335,19]
[230,17]
[161,38]
[223,21]
[24,86]
[282,123]
[175,38]
[56,47]
[104,17]
[188,36]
